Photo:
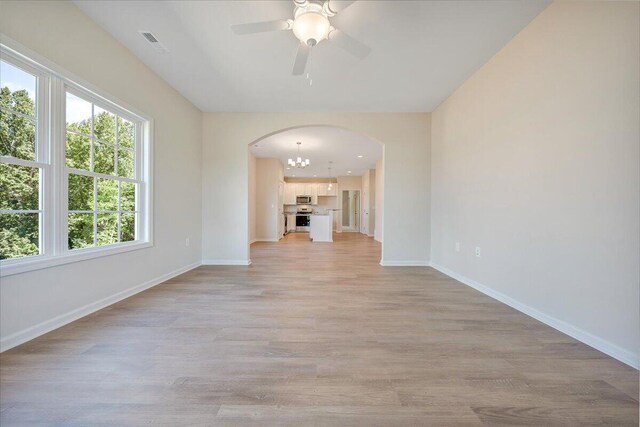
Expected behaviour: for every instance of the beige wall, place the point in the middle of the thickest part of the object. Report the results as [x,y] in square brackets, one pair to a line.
[269,172]
[34,302]
[371,217]
[366,191]
[349,183]
[406,146]
[379,200]
[535,160]
[252,198]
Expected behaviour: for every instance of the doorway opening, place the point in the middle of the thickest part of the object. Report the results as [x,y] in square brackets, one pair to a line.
[339,189]
[350,210]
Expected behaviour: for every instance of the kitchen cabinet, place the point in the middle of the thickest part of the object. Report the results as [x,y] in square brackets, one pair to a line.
[313,189]
[291,222]
[314,193]
[290,194]
[307,189]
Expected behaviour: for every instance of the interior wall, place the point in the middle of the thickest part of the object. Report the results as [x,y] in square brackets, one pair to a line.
[269,172]
[406,139]
[34,302]
[252,198]
[535,159]
[349,183]
[372,203]
[379,202]
[364,217]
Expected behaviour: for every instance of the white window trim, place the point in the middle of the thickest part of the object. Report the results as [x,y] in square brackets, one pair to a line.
[54,250]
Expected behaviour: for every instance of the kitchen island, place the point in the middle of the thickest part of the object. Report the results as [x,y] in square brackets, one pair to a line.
[321,227]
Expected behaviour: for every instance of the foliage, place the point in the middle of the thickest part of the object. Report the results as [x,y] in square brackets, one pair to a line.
[18,184]
[19,232]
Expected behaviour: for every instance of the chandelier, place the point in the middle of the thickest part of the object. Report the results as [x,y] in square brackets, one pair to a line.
[299,162]
[330,183]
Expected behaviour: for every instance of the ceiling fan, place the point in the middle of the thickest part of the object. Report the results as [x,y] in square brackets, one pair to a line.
[310,24]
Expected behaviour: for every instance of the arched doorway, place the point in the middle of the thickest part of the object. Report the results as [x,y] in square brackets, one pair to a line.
[340,162]
[405,226]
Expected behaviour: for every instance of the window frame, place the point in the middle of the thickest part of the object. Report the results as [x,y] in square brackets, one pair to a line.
[42,154]
[138,167]
[51,158]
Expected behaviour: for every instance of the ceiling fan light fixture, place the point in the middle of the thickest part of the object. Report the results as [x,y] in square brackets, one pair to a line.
[311,27]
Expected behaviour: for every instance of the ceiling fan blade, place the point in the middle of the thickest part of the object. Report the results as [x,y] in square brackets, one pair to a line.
[337,6]
[302,57]
[260,27]
[348,43]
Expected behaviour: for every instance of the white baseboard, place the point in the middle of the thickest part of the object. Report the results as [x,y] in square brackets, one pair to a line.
[226,262]
[581,335]
[404,263]
[35,331]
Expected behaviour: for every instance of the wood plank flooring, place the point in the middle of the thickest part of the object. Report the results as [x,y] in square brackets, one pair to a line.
[312,335]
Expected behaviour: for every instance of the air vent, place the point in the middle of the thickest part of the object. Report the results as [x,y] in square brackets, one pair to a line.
[150,37]
[153,40]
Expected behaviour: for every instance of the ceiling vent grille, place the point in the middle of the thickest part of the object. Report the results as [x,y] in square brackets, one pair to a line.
[149,37]
[153,40]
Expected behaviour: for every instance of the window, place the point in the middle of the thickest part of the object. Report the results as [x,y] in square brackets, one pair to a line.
[22,162]
[74,169]
[101,175]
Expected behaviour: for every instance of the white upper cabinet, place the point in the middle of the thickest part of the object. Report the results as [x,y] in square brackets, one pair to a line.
[290,193]
[307,189]
[313,189]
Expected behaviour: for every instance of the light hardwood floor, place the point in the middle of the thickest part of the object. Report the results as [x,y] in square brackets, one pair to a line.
[312,335]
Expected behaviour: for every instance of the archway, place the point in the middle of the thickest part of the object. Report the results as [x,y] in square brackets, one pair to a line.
[406,222]
[341,161]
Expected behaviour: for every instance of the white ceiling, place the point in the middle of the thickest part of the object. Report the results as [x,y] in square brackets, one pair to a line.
[321,144]
[421,51]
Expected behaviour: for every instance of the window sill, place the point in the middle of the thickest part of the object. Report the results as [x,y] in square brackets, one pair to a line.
[11,267]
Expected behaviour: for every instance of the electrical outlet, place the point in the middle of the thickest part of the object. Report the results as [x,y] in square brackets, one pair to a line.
[457,246]
[186,242]
[477,251]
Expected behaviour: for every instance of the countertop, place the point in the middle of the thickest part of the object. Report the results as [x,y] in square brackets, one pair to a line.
[310,213]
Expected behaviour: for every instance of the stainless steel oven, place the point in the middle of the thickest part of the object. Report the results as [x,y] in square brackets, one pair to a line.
[303,219]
